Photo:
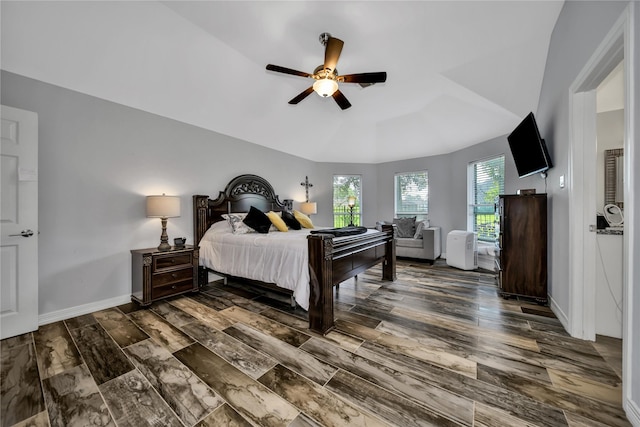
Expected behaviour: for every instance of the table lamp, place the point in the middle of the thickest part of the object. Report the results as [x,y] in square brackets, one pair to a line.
[163,207]
[351,202]
[309,208]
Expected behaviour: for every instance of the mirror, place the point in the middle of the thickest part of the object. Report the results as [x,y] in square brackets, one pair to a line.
[614,177]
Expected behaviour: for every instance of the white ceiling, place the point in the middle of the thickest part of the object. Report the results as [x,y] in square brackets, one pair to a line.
[459,72]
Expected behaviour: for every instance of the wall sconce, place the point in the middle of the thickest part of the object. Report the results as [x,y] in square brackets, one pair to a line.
[351,202]
[163,207]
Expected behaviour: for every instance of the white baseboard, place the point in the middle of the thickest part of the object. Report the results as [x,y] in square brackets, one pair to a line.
[633,412]
[79,310]
[562,317]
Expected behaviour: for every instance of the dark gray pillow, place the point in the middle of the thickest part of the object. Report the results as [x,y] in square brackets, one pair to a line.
[405,227]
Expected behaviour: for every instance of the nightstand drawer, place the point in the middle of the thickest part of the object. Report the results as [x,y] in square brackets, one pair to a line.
[171,289]
[171,261]
[159,274]
[172,277]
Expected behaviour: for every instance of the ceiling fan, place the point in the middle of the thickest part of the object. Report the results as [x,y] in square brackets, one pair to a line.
[326,75]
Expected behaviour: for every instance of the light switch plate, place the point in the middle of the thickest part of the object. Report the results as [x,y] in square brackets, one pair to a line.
[561,181]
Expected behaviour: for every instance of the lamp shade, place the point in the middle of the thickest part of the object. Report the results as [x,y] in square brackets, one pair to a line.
[309,208]
[163,206]
[351,201]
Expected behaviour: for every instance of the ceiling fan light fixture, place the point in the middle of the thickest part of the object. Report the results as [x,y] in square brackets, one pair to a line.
[325,87]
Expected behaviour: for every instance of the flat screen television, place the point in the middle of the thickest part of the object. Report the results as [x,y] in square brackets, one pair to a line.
[528,148]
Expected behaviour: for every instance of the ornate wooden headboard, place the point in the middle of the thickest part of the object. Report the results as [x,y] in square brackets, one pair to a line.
[239,195]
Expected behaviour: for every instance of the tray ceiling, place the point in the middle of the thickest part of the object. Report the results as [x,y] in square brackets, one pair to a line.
[459,73]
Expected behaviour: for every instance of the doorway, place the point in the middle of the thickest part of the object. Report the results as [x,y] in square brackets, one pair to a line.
[615,48]
[610,97]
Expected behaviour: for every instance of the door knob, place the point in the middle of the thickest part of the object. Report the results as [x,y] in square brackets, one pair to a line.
[23,233]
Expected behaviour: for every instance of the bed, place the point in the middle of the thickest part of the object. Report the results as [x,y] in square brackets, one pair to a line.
[323,259]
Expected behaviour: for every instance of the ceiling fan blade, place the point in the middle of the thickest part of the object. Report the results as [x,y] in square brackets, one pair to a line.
[302,95]
[342,101]
[286,70]
[332,53]
[370,78]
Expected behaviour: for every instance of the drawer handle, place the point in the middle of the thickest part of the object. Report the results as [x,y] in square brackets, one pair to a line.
[173,287]
[174,275]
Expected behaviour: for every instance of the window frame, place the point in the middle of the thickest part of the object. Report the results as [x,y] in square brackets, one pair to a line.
[342,218]
[473,207]
[419,214]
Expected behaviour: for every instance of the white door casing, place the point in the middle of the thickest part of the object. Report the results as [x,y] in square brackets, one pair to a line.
[582,206]
[618,45]
[18,222]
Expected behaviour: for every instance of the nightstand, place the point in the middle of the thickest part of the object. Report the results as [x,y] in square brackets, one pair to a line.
[159,274]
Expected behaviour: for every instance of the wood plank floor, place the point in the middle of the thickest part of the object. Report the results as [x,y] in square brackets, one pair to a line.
[437,347]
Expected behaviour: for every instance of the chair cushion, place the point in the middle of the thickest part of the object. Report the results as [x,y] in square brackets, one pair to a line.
[409,242]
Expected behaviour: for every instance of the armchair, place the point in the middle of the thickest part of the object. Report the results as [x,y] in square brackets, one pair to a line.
[416,240]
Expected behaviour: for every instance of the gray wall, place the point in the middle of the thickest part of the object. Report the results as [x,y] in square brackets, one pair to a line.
[580,29]
[447,183]
[322,190]
[460,161]
[98,160]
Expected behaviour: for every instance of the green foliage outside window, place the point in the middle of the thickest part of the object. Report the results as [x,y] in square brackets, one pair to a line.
[343,187]
[486,185]
[412,194]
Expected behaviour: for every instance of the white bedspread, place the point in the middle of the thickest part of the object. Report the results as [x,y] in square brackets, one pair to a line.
[276,257]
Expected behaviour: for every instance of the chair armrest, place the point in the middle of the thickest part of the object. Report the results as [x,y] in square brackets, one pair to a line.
[431,243]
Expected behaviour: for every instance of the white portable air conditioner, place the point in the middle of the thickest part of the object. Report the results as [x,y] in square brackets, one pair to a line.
[462,250]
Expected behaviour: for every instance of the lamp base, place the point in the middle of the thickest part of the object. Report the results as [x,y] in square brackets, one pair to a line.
[164,246]
[164,239]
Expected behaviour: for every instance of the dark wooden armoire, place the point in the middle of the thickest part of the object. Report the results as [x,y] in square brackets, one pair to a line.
[522,269]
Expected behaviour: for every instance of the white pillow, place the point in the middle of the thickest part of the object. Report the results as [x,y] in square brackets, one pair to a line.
[221,226]
[235,220]
[420,225]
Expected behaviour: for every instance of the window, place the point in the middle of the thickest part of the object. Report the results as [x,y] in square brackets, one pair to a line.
[345,187]
[412,194]
[486,182]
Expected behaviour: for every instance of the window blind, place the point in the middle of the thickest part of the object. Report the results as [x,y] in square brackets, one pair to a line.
[412,194]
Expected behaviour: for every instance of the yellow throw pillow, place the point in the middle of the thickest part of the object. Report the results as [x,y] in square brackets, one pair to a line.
[277,221]
[304,220]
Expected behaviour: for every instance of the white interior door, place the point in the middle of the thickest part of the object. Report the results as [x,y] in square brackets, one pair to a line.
[18,222]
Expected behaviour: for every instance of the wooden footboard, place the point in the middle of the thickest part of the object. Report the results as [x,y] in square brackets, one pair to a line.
[332,262]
